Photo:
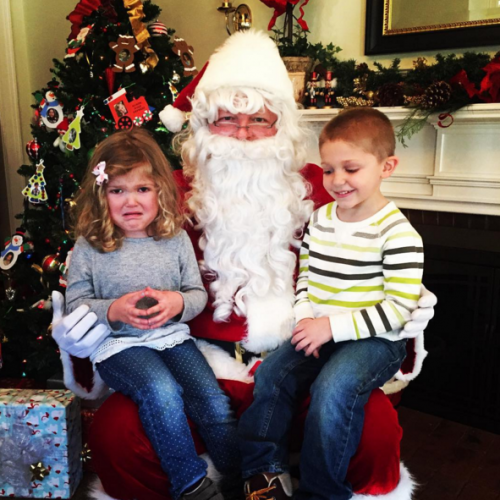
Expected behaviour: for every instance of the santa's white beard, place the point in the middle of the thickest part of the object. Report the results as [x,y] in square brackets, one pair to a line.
[248,199]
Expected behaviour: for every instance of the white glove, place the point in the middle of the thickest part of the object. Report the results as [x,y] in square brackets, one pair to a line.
[74,333]
[420,317]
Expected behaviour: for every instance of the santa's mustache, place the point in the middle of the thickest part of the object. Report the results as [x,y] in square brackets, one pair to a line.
[214,146]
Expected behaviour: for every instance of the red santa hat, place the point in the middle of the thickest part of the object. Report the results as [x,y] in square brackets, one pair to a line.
[248,59]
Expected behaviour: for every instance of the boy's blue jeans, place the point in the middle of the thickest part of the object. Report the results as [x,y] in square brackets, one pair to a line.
[342,379]
[166,385]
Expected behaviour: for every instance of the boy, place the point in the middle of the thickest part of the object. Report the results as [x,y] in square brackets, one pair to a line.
[361,265]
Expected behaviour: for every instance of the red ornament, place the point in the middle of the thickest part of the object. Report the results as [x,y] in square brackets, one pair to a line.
[110,79]
[33,149]
[50,264]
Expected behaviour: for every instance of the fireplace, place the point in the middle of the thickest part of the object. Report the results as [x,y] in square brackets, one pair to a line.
[448,185]
[460,378]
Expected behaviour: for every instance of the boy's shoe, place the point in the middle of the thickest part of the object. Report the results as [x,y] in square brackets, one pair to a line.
[268,486]
[206,490]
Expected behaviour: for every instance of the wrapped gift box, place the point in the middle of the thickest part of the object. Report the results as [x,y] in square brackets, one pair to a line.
[40,443]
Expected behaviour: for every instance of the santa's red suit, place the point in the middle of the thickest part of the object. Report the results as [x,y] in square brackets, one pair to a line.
[126,463]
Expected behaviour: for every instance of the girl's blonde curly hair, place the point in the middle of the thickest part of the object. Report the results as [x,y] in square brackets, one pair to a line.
[123,151]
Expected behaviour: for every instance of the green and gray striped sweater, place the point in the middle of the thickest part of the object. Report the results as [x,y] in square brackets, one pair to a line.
[365,276]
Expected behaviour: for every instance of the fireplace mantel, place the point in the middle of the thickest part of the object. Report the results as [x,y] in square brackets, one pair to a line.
[453,169]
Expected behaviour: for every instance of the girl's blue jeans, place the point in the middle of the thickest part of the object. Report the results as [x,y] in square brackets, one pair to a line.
[340,383]
[166,386]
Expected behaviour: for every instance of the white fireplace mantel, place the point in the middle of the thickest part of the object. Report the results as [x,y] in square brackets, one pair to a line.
[453,169]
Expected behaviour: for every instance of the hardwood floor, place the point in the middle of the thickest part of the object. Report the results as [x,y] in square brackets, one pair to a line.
[450,461]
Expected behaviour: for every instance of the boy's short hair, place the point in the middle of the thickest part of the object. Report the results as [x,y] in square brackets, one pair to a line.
[366,128]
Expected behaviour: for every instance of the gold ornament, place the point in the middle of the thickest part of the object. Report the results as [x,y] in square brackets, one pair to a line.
[70,202]
[86,454]
[38,471]
[354,102]
[360,84]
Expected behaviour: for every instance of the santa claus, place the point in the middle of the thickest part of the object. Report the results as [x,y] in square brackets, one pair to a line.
[249,196]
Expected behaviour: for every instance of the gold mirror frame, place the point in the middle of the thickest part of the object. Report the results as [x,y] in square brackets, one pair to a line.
[388,30]
[381,39]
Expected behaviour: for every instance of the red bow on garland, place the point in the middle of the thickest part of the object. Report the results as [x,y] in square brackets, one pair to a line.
[490,84]
[85,8]
[279,7]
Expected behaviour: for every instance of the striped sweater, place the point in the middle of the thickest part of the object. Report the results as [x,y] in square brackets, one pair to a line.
[365,276]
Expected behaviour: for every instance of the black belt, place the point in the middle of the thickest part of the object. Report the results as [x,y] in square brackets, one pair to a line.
[235,350]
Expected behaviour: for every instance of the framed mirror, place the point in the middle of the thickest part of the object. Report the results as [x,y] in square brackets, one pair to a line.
[395,26]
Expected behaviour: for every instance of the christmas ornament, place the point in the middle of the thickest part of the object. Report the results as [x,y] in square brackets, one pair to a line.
[38,471]
[64,268]
[61,129]
[176,78]
[157,29]
[33,149]
[50,264]
[51,112]
[185,52]
[14,246]
[72,137]
[147,115]
[125,48]
[173,91]
[75,44]
[10,293]
[35,190]
[110,76]
[125,112]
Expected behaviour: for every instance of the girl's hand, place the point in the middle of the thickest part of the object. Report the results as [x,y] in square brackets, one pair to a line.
[124,310]
[170,304]
[310,334]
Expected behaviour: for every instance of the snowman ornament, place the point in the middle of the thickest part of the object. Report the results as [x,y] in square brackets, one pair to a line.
[13,247]
[51,113]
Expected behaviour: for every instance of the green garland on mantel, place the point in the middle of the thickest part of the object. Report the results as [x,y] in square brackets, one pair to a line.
[443,87]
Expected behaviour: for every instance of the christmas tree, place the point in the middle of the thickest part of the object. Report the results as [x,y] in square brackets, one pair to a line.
[122,66]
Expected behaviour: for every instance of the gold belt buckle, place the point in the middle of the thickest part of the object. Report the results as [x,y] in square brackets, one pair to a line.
[238,352]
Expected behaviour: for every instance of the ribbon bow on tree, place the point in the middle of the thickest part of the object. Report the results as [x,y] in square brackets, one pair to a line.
[280,7]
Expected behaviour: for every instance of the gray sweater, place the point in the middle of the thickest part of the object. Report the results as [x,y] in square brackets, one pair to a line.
[97,279]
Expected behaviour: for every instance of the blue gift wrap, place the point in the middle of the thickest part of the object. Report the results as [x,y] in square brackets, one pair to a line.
[40,443]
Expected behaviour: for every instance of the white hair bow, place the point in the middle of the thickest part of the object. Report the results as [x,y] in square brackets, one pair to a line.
[101,175]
